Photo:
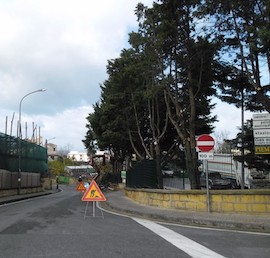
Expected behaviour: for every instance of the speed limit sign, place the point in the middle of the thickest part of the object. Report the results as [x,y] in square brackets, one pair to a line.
[205,155]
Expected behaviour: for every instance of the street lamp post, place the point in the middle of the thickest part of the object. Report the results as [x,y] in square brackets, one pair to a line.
[20,136]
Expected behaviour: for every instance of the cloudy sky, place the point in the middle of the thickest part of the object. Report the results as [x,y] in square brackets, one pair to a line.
[63,46]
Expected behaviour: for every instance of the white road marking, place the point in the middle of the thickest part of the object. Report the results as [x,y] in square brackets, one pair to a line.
[187,245]
[185,226]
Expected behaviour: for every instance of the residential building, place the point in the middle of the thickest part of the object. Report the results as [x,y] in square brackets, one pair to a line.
[78,156]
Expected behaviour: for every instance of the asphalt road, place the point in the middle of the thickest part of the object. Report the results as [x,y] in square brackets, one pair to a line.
[59,225]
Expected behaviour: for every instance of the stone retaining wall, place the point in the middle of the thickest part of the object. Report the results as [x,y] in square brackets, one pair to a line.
[46,184]
[221,201]
[10,192]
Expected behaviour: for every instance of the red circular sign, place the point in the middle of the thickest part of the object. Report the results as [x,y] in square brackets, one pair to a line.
[205,142]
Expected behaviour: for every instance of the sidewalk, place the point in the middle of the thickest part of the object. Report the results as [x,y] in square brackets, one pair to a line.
[118,202]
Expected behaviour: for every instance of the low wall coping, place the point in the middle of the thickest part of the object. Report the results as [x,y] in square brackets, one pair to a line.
[197,191]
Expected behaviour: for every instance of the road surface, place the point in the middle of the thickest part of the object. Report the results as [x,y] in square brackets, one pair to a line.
[59,225]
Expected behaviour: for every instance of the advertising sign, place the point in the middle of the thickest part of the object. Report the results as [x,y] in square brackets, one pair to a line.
[261,133]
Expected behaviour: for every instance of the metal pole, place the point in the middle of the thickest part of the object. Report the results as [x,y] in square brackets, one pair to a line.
[6,125]
[20,139]
[183,179]
[242,142]
[205,162]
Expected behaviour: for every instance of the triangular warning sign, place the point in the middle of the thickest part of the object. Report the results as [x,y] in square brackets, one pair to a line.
[93,193]
[81,187]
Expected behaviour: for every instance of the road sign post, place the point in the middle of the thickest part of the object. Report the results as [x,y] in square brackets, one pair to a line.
[93,194]
[205,144]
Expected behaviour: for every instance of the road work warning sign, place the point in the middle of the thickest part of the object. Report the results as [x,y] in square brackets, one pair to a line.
[93,193]
[81,187]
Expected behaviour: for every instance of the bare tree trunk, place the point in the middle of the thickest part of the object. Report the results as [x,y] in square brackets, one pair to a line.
[158,168]
[192,167]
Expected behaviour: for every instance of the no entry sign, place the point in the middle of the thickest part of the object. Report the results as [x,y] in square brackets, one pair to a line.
[205,142]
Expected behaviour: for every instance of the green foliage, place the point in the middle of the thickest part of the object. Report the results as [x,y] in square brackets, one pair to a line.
[132,115]
[57,167]
[235,88]
[242,28]
[105,168]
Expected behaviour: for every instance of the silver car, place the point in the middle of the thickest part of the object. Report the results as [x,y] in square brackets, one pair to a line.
[215,181]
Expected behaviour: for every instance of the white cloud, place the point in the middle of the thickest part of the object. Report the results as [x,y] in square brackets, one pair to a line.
[230,119]
[68,127]
[63,46]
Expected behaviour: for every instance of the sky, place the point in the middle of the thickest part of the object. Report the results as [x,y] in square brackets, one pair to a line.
[63,46]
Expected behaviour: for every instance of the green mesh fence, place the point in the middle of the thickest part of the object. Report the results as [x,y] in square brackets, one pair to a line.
[33,157]
[142,175]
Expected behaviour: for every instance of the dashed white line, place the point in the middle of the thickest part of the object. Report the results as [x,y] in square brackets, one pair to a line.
[187,245]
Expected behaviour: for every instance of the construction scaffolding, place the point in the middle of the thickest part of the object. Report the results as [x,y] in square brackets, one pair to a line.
[33,157]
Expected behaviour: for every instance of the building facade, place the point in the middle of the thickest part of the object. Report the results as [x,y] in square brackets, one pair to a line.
[78,156]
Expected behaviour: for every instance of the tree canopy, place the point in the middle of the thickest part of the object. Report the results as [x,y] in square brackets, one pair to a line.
[158,95]
[242,28]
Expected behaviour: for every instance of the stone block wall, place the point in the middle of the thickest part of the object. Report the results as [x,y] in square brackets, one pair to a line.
[221,201]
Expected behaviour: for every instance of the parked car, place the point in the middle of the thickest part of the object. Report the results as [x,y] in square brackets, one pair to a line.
[215,181]
[166,172]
